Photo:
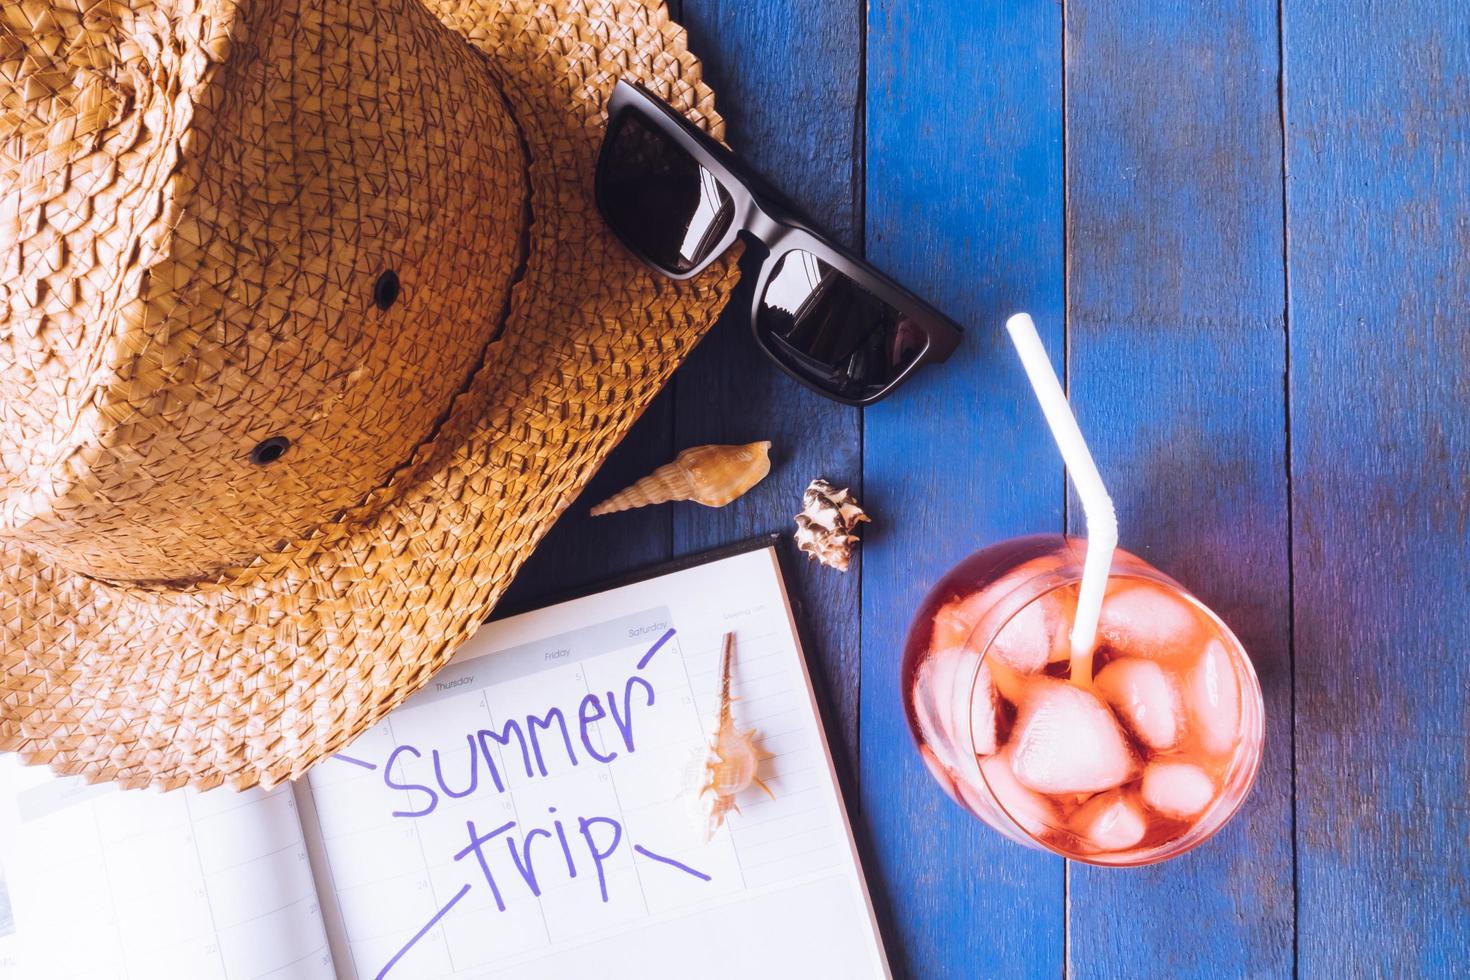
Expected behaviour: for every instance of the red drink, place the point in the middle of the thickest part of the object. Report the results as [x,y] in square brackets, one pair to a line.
[1139,762]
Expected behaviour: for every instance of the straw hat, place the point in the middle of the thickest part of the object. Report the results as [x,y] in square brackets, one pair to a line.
[309,330]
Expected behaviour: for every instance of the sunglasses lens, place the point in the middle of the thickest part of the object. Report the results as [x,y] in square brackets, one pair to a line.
[829,329]
[659,198]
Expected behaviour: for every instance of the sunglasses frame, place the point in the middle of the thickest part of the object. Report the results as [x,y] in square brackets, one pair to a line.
[760,213]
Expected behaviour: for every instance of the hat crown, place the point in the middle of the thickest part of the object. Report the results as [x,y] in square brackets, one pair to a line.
[254,251]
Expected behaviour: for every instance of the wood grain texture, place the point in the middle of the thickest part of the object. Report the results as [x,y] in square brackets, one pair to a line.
[787,74]
[1190,350]
[1379,269]
[1177,372]
[964,204]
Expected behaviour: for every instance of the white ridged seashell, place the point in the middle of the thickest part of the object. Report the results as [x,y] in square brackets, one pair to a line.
[826,528]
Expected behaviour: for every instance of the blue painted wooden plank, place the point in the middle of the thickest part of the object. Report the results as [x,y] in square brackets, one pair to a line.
[786,76]
[964,204]
[1176,352]
[1378,158]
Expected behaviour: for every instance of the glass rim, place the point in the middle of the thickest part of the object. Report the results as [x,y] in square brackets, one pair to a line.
[1240,777]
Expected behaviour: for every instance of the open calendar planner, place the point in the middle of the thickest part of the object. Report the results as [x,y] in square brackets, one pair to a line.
[529,813]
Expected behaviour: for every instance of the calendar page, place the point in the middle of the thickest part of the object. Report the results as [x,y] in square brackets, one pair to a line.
[98,882]
[535,810]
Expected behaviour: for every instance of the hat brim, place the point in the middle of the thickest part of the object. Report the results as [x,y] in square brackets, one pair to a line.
[254,676]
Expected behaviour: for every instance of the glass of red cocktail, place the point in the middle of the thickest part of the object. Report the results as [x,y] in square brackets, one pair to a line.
[1139,757]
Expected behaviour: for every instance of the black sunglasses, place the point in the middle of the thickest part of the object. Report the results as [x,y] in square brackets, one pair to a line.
[677,198]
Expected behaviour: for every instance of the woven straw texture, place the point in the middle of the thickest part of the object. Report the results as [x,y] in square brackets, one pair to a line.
[199,200]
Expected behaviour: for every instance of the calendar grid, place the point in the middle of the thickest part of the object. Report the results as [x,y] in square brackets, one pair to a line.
[107,881]
[623,817]
[516,810]
[561,737]
[199,863]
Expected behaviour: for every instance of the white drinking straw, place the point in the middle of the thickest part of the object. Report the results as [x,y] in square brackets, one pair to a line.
[1097,506]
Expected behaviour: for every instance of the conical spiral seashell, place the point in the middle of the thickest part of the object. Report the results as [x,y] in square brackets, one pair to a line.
[709,475]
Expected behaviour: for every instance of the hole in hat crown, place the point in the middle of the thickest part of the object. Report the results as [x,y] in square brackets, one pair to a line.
[386,289]
[130,471]
[269,450]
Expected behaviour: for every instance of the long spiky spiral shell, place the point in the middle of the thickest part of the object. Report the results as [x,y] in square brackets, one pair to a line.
[731,759]
[709,475]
